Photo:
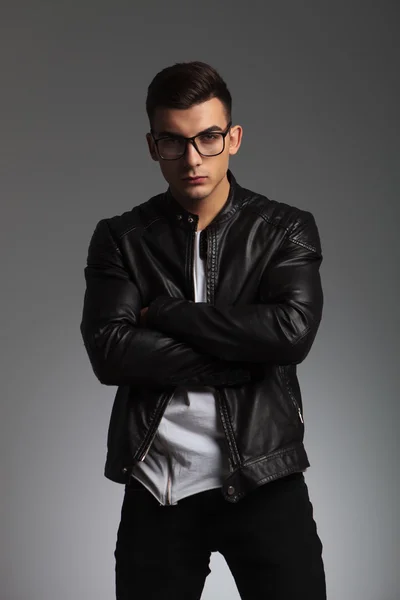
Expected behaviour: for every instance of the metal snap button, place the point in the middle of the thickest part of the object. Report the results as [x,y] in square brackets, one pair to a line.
[231,490]
[179,217]
[124,470]
[190,219]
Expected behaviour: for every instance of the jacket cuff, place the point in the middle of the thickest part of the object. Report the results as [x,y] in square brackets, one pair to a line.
[154,313]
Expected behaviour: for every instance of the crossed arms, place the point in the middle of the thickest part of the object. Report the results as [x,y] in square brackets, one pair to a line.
[188,343]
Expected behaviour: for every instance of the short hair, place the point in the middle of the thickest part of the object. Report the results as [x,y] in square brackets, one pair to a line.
[185,84]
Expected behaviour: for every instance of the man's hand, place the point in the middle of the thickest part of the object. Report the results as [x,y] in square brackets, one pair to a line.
[143,318]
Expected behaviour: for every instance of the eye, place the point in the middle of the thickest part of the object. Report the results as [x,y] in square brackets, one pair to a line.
[209,137]
[169,141]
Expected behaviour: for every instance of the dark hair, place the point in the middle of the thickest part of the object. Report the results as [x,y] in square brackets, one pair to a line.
[185,84]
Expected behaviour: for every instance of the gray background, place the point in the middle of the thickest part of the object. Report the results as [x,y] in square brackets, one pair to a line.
[315,88]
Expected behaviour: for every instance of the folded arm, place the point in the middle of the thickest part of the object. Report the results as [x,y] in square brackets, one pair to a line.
[280,329]
[123,353]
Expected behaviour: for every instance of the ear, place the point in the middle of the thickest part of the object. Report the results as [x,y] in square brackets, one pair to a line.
[235,139]
[152,147]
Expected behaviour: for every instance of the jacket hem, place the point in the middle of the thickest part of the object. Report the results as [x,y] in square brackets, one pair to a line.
[267,468]
[246,477]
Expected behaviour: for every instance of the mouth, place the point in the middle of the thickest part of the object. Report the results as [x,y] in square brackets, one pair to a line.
[198,179]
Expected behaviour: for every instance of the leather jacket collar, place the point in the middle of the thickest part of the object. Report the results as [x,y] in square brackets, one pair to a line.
[172,208]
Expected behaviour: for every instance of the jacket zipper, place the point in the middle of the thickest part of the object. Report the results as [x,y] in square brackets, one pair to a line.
[168,492]
[299,411]
[153,429]
[233,454]
[291,395]
[169,485]
[169,480]
[191,263]
[149,443]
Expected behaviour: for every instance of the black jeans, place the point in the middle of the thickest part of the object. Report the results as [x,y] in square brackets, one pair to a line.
[269,540]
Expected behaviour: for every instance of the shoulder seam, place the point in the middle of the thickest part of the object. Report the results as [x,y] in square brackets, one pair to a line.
[265,217]
[277,225]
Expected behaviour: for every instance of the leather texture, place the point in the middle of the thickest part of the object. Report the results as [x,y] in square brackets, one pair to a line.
[264,306]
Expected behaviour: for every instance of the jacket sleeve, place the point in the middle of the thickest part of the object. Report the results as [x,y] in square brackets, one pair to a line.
[121,352]
[280,329]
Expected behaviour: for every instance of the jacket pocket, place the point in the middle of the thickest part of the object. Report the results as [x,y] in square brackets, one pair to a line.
[284,376]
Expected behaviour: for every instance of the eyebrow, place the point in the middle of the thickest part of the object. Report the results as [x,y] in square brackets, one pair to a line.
[208,130]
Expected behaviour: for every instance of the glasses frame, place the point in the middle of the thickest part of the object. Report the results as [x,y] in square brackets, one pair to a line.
[192,141]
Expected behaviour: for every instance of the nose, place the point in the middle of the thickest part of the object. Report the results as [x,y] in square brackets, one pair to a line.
[191,156]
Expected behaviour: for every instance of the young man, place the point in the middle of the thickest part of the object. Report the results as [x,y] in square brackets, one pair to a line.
[200,302]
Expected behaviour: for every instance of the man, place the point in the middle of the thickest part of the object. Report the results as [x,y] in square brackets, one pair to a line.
[200,302]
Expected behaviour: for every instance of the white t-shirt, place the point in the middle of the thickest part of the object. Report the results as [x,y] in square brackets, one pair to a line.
[188,454]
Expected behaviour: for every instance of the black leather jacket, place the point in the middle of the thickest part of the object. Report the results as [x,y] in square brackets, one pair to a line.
[264,306]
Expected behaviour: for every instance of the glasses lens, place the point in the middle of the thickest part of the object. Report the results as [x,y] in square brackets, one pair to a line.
[170,148]
[208,144]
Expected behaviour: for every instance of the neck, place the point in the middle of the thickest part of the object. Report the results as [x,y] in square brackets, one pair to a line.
[206,208]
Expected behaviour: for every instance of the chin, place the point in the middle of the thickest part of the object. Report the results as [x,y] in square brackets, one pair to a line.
[197,193]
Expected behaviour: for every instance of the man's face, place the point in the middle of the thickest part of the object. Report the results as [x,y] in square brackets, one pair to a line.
[187,123]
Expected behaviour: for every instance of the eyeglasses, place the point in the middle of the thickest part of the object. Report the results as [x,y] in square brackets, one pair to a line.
[207,144]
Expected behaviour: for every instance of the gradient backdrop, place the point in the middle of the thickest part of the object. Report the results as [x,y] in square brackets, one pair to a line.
[315,86]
